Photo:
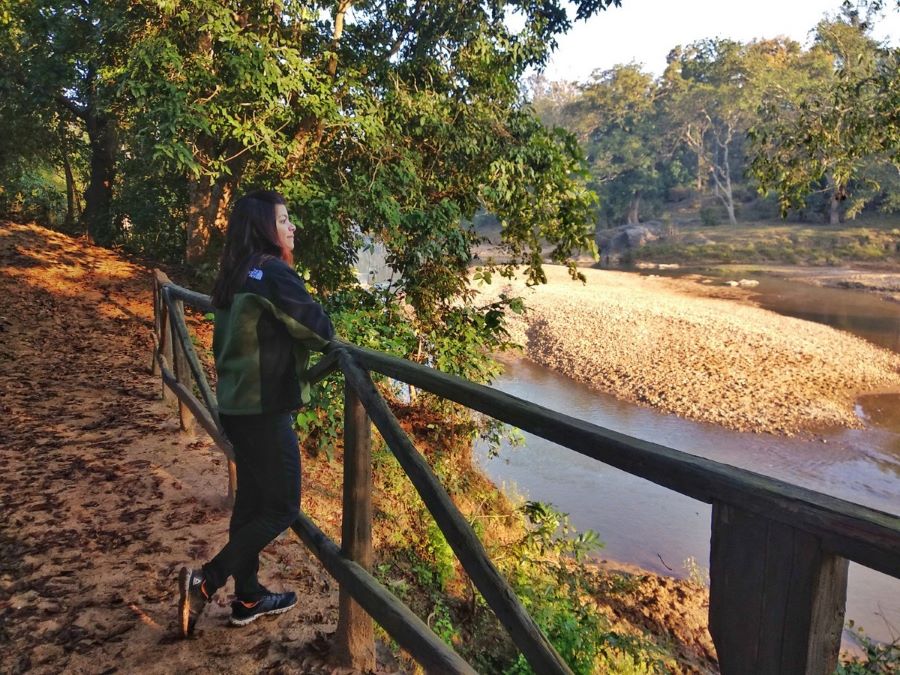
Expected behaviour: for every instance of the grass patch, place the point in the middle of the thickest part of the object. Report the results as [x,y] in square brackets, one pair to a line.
[874,240]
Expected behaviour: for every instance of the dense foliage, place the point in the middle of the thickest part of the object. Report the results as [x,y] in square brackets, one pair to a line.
[389,121]
[817,128]
[839,135]
[384,123]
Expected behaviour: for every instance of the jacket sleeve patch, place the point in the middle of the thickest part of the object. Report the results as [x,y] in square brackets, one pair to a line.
[255,273]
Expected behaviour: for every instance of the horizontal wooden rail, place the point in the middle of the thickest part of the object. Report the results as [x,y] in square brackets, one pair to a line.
[867,536]
[325,366]
[176,318]
[541,655]
[406,628]
[197,409]
[196,300]
[170,325]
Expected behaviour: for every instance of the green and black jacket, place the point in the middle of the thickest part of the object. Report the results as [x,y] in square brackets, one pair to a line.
[263,339]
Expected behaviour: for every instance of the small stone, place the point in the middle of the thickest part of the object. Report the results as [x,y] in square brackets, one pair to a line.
[46,653]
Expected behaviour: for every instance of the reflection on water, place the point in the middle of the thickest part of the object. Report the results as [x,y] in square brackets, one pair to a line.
[882,410]
[863,314]
[658,529]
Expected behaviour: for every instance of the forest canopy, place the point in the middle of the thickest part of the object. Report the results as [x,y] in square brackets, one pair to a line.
[816,128]
[393,121]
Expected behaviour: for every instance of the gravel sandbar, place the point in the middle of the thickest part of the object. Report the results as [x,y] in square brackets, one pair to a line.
[660,342]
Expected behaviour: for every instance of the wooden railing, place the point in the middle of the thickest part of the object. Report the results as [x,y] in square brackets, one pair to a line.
[779,555]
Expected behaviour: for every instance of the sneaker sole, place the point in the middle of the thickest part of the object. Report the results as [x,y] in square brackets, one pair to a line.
[184,603]
[251,619]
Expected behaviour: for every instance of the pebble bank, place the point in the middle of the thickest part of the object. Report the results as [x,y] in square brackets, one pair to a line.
[668,344]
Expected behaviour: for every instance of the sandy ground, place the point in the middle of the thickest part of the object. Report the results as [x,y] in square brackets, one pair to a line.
[697,351]
[103,499]
[673,611]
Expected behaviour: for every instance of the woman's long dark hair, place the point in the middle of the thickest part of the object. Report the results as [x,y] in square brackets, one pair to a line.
[251,236]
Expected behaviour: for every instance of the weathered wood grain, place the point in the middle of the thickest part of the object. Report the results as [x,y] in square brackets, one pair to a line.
[196,300]
[164,349]
[326,365]
[355,638]
[541,655]
[157,321]
[410,632]
[776,597]
[197,409]
[176,318]
[183,373]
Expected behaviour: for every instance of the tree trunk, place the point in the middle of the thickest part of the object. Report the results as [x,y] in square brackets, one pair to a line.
[721,172]
[96,217]
[837,195]
[634,206]
[71,196]
[209,199]
[72,205]
[724,190]
[207,220]
[834,210]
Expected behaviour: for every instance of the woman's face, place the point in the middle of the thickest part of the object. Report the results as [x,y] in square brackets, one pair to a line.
[284,226]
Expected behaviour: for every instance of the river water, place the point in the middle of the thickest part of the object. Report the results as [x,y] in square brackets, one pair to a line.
[657,529]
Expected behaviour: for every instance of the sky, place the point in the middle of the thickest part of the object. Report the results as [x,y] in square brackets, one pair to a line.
[646,30]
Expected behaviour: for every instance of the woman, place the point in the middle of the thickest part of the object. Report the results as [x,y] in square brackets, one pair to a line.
[266,323]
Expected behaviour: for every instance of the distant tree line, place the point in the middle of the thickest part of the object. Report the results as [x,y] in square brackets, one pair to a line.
[815,128]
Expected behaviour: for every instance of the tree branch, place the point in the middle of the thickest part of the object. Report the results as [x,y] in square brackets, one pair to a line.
[340,13]
[413,20]
[80,111]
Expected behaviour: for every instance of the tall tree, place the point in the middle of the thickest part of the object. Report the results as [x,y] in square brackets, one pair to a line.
[713,89]
[216,89]
[616,119]
[390,120]
[64,53]
[835,134]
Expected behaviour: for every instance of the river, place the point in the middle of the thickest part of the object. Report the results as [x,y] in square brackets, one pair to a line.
[657,529]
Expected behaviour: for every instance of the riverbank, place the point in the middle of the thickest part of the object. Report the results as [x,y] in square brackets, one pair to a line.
[873,239]
[884,283]
[699,351]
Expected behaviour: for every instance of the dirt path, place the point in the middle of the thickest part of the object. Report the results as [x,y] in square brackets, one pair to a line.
[103,499]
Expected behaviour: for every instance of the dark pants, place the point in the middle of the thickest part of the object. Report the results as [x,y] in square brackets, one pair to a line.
[267,499]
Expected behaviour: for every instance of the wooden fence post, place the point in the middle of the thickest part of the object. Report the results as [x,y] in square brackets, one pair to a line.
[182,372]
[355,637]
[776,597]
[168,338]
[157,325]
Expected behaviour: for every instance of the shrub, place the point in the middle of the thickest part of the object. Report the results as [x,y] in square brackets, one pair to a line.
[709,216]
[877,659]
[557,595]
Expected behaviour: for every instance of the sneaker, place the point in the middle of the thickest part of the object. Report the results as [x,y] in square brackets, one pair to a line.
[193,600]
[243,612]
